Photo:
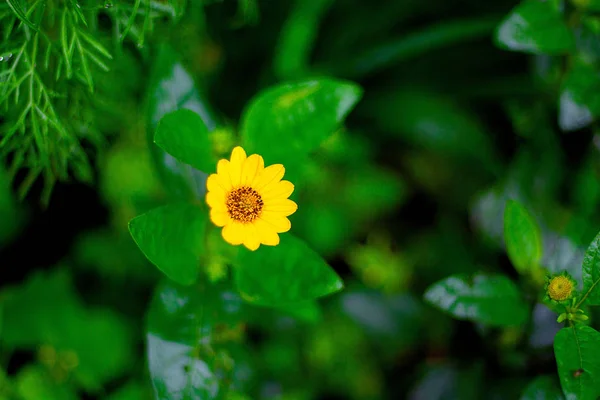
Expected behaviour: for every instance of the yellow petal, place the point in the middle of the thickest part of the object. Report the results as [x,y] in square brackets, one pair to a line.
[251,240]
[216,200]
[234,233]
[271,174]
[279,223]
[266,233]
[223,178]
[252,167]
[279,190]
[215,183]
[219,218]
[238,156]
[282,208]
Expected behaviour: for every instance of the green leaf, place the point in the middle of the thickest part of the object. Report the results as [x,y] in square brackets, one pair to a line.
[184,135]
[589,5]
[536,27]
[542,388]
[35,383]
[591,273]
[172,88]
[301,115]
[187,357]
[290,272]
[579,103]
[489,299]
[433,122]
[172,238]
[298,36]
[17,9]
[522,237]
[577,351]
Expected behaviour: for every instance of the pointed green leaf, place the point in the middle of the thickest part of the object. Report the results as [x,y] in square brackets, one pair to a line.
[184,135]
[537,27]
[189,356]
[290,272]
[172,238]
[543,388]
[171,88]
[17,9]
[522,237]
[489,299]
[577,351]
[299,115]
[591,273]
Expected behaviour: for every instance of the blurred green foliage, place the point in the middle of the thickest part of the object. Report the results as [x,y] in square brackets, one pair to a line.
[445,158]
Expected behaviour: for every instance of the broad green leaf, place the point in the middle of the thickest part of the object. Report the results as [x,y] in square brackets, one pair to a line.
[172,238]
[591,273]
[543,387]
[579,103]
[298,115]
[290,272]
[104,347]
[489,299]
[537,27]
[39,311]
[35,383]
[522,237]
[184,135]
[131,391]
[189,354]
[172,88]
[577,351]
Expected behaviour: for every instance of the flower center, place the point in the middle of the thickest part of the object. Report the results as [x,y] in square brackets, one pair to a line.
[560,288]
[244,204]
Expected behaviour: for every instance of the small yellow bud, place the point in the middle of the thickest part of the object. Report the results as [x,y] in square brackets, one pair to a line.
[560,288]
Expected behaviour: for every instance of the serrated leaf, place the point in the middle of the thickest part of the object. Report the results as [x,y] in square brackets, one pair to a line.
[488,299]
[523,237]
[184,135]
[187,357]
[172,238]
[290,272]
[536,27]
[300,115]
[577,351]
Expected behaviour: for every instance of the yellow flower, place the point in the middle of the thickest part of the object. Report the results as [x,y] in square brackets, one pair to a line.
[250,201]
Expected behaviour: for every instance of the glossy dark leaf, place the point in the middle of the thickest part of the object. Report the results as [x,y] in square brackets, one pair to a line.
[290,272]
[488,299]
[172,238]
[579,103]
[543,388]
[189,353]
[535,26]
[172,88]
